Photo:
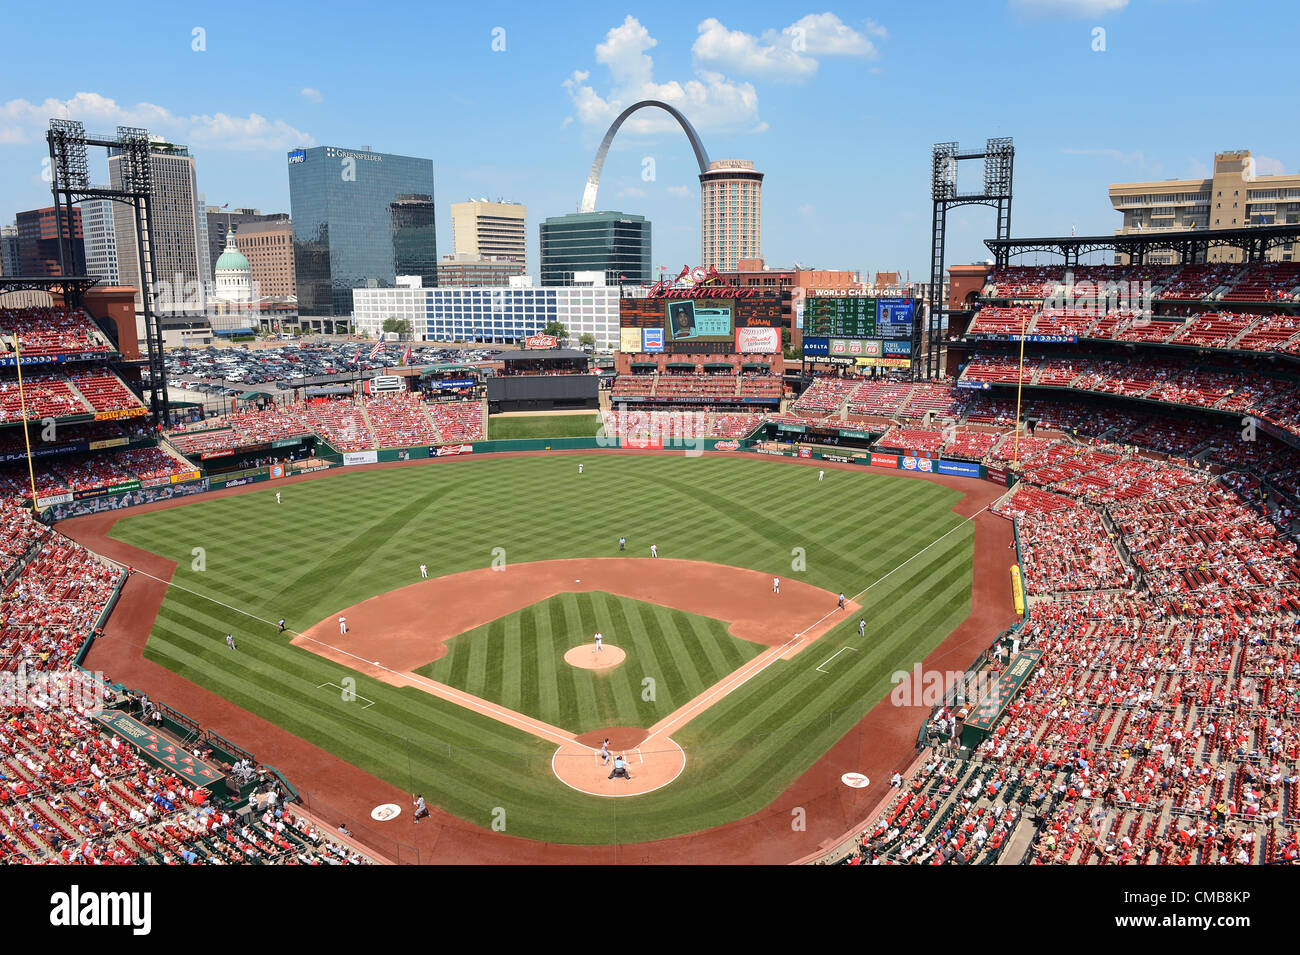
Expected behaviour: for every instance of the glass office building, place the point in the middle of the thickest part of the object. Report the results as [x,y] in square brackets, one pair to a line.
[360,219]
[615,243]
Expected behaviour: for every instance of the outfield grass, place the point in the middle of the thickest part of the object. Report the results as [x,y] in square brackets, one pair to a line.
[543,426]
[518,661]
[347,536]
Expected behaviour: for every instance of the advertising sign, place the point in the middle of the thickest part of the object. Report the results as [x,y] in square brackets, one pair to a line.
[653,340]
[360,457]
[997,475]
[541,341]
[758,340]
[884,460]
[728,445]
[816,346]
[450,449]
[918,464]
[962,468]
[894,318]
[629,340]
[897,349]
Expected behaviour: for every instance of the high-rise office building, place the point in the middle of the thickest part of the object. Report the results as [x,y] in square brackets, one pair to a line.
[9,250]
[489,230]
[179,244]
[415,243]
[731,214]
[342,205]
[1233,197]
[38,243]
[221,220]
[101,240]
[268,246]
[614,243]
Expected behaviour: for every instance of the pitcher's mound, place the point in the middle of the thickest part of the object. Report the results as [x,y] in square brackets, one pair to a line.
[587,657]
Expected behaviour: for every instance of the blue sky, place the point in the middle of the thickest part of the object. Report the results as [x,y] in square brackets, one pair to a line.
[838,104]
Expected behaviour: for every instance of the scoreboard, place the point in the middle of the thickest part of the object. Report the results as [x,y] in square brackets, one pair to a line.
[840,317]
[858,317]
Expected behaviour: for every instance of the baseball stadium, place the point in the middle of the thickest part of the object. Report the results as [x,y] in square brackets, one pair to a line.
[996,569]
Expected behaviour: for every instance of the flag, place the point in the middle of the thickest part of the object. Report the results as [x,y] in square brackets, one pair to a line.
[356,359]
[406,356]
[379,346]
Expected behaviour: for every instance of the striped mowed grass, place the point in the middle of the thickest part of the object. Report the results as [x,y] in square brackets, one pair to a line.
[518,661]
[244,561]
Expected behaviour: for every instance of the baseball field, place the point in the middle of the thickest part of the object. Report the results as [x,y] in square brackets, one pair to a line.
[458,686]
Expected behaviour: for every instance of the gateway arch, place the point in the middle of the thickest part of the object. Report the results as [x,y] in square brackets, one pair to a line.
[593,178]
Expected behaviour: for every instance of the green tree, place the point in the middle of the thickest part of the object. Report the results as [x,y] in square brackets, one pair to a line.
[399,325]
[557,329]
[587,340]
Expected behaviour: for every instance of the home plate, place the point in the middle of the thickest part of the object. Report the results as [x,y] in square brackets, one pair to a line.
[855,780]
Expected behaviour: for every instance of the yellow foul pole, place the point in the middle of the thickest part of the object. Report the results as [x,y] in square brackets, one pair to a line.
[1020,380]
[22,402]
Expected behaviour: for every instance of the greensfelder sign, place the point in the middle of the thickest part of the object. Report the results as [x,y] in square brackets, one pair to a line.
[798,428]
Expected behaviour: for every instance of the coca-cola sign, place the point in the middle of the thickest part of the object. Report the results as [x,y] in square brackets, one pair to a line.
[541,341]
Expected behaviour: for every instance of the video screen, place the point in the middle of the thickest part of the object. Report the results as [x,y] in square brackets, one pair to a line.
[699,320]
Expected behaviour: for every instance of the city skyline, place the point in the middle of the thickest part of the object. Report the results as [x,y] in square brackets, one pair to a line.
[838,109]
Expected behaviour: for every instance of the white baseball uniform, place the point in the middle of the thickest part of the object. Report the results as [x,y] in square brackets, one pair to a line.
[424,570]
[599,638]
[776,585]
[343,624]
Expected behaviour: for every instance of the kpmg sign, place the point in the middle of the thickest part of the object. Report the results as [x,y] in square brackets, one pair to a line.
[298,155]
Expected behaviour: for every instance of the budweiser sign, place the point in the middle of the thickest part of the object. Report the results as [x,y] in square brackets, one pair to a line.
[541,341]
[663,289]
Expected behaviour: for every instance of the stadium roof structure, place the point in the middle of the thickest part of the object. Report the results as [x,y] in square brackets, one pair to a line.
[73,287]
[1253,241]
[546,354]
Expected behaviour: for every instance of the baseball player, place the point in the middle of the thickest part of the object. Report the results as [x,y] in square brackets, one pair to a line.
[343,624]
[281,630]
[579,468]
[654,551]
[599,640]
[424,571]
[776,585]
[841,600]
[862,627]
[622,544]
[604,752]
[230,641]
[821,473]
[277,497]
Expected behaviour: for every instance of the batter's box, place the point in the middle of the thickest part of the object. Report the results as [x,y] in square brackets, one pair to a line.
[355,694]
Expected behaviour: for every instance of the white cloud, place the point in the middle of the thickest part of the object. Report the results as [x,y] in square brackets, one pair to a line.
[568,121]
[24,122]
[1114,155]
[709,100]
[634,191]
[1264,166]
[790,54]
[678,191]
[761,127]
[312,94]
[1068,8]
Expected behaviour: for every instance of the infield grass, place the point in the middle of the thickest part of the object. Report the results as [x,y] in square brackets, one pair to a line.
[341,538]
[518,661]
